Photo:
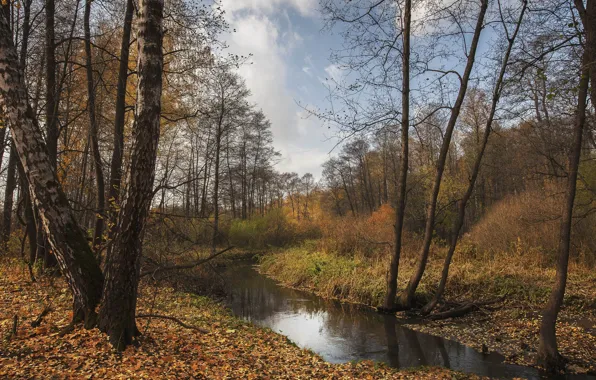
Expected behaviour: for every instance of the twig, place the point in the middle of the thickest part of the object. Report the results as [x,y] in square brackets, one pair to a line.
[175,320]
[186,266]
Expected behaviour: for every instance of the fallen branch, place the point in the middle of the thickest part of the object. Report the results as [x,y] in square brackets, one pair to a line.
[174,319]
[186,266]
[462,310]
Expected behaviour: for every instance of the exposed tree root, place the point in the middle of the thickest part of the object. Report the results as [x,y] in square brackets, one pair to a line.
[46,310]
[67,329]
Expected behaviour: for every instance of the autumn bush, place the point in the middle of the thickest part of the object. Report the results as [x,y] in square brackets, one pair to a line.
[274,228]
[367,236]
[528,224]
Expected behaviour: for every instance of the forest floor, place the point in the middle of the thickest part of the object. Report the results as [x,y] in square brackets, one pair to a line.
[230,348]
[509,327]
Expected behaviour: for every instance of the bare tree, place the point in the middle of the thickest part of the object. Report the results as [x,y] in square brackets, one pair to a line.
[548,354]
[93,134]
[461,213]
[118,144]
[403,171]
[408,295]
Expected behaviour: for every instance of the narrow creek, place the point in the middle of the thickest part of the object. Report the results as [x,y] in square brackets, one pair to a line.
[341,332]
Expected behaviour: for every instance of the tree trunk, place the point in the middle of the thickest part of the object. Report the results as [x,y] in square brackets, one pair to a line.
[403,172]
[231,178]
[99,179]
[5,12]
[118,148]
[408,295]
[51,117]
[30,226]
[67,239]
[548,353]
[117,314]
[11,184]
[457,225]
[218,134]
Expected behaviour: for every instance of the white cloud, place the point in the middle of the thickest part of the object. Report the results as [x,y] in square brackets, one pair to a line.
[305,7]
[271,41]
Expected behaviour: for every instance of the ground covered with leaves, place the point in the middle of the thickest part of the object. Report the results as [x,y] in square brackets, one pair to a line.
[230,348]
[509,327]
[513,331]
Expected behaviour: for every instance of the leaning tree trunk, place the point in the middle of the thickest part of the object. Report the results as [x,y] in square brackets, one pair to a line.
[461,213]
[117,314]
[403,172]
[548,353]
[408,295]
[93,134]
[67,239]
[29,214]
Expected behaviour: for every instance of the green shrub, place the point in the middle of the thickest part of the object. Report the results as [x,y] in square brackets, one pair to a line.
[273,229]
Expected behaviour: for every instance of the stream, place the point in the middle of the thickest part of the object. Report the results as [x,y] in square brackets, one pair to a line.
[341,332]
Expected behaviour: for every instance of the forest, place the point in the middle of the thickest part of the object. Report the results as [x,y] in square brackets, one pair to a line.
[153,227]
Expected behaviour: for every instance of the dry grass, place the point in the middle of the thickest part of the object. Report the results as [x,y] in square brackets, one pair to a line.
[520,278]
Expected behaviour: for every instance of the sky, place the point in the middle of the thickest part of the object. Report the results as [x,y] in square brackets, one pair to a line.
[289,67]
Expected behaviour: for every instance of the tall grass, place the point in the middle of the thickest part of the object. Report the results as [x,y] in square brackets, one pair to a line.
[472,277]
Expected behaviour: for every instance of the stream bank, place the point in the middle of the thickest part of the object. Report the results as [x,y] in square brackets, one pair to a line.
[509,328]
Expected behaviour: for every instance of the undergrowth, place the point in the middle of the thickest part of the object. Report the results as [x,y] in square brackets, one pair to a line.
[362,279]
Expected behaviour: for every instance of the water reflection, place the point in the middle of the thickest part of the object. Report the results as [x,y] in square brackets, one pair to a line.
[341,332]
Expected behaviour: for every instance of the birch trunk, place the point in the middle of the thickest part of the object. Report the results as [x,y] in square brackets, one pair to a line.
[117,314]
[66,238]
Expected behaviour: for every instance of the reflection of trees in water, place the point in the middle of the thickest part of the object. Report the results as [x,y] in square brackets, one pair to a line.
[364,334]
[392,342]
[440,343]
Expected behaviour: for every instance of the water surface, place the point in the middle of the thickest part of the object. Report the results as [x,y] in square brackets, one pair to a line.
[342,332]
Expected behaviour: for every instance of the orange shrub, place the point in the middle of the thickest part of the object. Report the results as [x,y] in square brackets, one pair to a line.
[365,236]
[529,223]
